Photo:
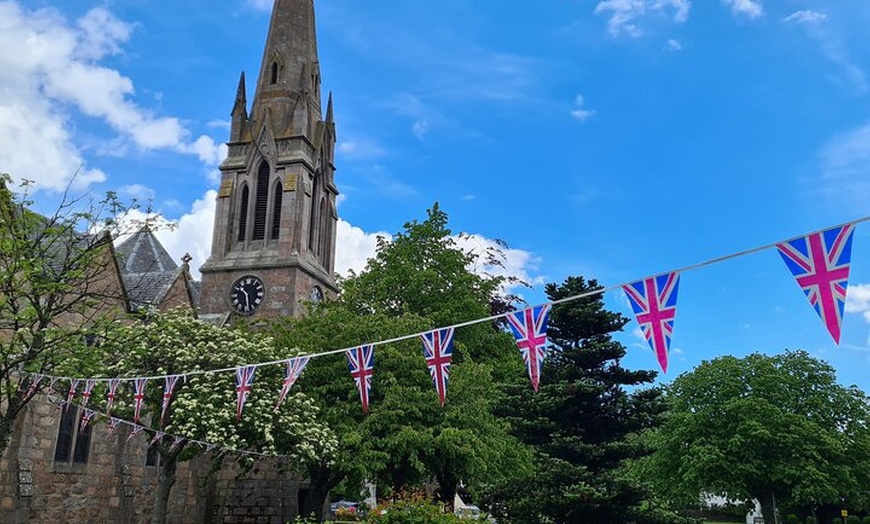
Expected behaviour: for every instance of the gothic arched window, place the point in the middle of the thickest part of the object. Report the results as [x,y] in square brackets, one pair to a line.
[312,219]
[262,201]
[276,210]
[243,213]
[274,73]
[324,231]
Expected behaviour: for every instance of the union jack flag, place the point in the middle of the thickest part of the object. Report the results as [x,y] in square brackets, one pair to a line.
[87,417]
[820,265]
[113,392]
[157,436]
[175,443]
[73,385]
[244,383]
[361,362]
[113,424]
[530,329]
[168,386]
[654,301]
[438,349]
[135,431]
[294,369]
[138,397]
[89,388]
[34,385]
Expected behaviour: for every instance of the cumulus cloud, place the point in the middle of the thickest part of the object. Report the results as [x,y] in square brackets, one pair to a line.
[51,70]
[354,247]
[747,8]
[673,45]
[513,263]
[625,15]
[858,300]
[580,112]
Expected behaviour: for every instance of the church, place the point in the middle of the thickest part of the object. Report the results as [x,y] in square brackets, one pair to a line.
[273,248]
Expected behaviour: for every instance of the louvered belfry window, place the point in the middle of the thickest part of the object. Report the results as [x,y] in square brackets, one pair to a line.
[262,201]
[276,211]
[243,213]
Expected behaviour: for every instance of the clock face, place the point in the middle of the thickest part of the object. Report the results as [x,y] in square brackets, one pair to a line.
[246,294]
[316,294]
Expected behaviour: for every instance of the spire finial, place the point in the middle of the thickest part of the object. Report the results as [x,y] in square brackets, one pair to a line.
[329,108]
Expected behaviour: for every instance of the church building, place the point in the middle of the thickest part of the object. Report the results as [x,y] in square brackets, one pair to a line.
[273,248]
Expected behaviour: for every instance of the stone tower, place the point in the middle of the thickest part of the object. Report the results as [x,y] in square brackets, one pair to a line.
[273,243]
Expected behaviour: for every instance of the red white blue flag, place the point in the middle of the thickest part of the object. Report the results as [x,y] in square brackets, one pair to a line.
[820,265]
[34,385]
[438,349]
[113,424]
[157,436]
[294,369]
[112,394]
[654,301]
[71,394]
[138,397]
[530,329]
[135,431]
[89,388]
[168,386]
[244,383]
[175,443]
[87,417]
[361,362]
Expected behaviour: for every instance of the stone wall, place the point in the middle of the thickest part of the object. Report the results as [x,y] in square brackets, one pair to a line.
[116,486]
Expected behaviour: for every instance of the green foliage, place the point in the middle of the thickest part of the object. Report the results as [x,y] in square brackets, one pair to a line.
[811,520]
[866,520]
[582,423]
[416,282]
[764,427]
[414,510]
[52,288]
[791,518]
[853,519]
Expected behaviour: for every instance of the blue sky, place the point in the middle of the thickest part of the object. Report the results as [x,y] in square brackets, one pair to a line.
[613,139]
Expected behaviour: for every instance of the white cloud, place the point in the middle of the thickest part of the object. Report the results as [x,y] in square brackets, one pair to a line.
[806,16]
[845,164]
[360,149]
[579,112]
[137,191]
[513,263]
[858,300]
[353,247]
[673,45]
[747,8]
[51,71]
[420,128]
[261,5]
[626,14]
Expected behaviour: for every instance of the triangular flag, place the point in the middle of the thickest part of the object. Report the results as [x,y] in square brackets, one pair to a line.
[157,436]
[89,388]
[244,383]
[294,369]
[112,394]
[530,329]
[168,387]
[113,424]
[138,397]
[820,265]
[73,385]
[438,349]
[175,443]
[34,385]
[361,362]
[135,431]
[87,418]
[654,301]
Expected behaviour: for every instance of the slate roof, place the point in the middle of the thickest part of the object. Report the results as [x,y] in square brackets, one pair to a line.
[146,267]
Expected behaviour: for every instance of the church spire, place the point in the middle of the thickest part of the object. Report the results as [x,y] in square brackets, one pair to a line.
[240,113]
[289,83]
[329,117]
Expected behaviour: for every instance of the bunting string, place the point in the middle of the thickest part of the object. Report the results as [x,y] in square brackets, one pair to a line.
[623,286]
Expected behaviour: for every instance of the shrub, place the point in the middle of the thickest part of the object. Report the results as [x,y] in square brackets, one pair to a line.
[412,511]
[791,518]
[810,520]
[853,519]
[866,520]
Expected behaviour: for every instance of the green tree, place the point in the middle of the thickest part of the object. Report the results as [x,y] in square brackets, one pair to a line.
[420,280]
[582,423]
[56,289]
[203,406]
[778,429]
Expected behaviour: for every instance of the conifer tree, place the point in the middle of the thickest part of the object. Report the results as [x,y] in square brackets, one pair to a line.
[582,422]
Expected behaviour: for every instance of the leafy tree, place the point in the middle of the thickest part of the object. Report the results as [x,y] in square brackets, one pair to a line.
[778,429]
[418,281]
[203,406]
[56,288]
[582,423]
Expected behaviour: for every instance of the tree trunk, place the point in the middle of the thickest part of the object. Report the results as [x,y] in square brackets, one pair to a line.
[164,486]
[447,485]
[768,507]
[318,491]
[6,427]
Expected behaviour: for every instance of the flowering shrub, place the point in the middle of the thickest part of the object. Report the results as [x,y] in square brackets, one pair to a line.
[350,514]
